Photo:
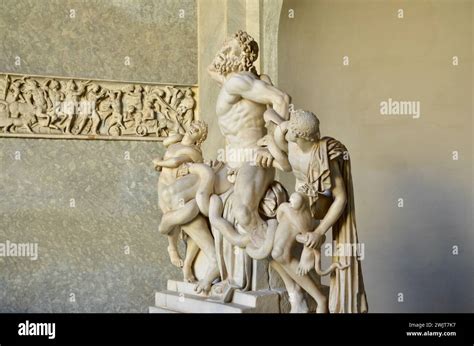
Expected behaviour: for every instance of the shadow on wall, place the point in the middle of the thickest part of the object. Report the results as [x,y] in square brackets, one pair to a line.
[409,250]
[421,250]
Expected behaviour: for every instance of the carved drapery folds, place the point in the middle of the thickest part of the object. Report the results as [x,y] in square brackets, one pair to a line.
[51,107]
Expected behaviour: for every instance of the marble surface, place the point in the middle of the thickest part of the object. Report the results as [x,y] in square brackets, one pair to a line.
[81,250]
[159,37]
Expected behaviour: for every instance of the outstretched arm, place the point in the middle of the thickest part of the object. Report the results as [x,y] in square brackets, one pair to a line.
[182,155]
[173,162]
[259,91]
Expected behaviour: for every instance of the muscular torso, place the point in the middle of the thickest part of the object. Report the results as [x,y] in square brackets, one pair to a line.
[240,121]
[173,191]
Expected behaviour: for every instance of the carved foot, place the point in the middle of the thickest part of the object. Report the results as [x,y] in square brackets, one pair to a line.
[175,259]
[307,262]
[322,307]
[222,292]
[188,275]
[203,286]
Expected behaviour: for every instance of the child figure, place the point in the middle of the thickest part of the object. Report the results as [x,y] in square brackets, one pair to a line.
[184,188]
[295,220]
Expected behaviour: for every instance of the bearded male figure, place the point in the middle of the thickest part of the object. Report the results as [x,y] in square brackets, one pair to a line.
[243,100]
[240,108]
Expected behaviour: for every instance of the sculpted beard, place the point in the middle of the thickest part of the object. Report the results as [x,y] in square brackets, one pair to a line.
[225,64]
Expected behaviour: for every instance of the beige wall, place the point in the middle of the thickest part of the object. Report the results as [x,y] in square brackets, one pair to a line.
[408,250]
[91,39]
[105,250]
[103,247]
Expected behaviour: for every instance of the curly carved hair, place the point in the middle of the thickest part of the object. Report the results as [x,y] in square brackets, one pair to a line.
[305,125]
[203,128]
[244,62]
[249,49]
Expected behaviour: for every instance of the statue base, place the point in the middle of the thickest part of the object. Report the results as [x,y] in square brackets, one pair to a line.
[180,297]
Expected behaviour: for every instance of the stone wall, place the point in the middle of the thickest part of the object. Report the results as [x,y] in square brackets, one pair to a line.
[139,40]
[90,206]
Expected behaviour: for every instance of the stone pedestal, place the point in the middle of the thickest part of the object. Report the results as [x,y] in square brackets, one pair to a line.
[180,297]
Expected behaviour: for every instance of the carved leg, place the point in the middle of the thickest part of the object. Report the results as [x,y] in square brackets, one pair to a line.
[120,120]
[191,252]
[206,185]
[95,123]
[52,123]
[198,231]
[223,226]
[68,124]
[307,261]
[307,284]
[178,217]
[295,293]
[251,185]
[28,127]
[173,248]
[82,125]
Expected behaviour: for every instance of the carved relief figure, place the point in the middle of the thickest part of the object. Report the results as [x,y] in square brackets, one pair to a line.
[83,108]
[185,108]
[73,94]
[54,98]
[94,94]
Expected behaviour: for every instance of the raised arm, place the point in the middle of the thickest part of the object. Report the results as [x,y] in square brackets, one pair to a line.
[259,91]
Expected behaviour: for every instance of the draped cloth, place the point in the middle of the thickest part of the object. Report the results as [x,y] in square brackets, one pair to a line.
[234,264]
[346,290]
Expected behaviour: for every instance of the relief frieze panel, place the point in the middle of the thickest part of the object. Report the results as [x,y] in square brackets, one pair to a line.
[57,107]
